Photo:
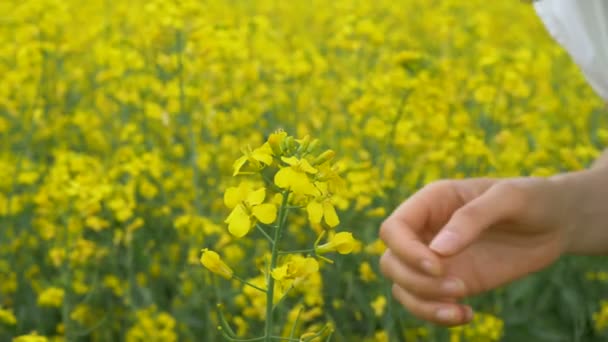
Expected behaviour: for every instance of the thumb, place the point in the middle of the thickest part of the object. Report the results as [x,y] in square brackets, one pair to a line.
[498,203]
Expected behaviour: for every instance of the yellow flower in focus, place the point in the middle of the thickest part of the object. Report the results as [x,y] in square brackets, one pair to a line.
[247,207]
[322,210]
[296,267]
[51,297]
[295,176]
[211,260]
[343,243]
[257,158]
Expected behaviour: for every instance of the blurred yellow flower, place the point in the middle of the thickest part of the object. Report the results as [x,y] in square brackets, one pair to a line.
[600,318]
[7,317]
[378,305]
[32,337]
[51,297]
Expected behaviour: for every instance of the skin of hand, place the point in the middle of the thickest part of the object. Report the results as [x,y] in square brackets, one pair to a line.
[457,238]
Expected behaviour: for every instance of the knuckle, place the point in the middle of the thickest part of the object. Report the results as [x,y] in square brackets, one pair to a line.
[514,194]
[467,214]
[439,185]
[418,288]
[416,307]
[422,288]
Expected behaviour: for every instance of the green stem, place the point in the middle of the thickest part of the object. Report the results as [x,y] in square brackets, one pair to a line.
[279,338]
[264,233]
[295,324]
[248,283]
[310,250]
[273,263]
[226,336]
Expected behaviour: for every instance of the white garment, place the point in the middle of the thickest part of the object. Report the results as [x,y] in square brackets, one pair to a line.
[581,27]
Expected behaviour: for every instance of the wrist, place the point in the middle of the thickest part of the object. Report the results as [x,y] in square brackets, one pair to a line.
[585,217]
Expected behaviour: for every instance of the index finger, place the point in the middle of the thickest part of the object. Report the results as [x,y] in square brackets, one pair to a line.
[409,229]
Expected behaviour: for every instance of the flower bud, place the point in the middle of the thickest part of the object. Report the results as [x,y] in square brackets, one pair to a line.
[304,142]
[275,140]
[211,260]
[323,157]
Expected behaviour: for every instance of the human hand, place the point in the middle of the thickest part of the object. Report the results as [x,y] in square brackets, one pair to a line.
[458,238]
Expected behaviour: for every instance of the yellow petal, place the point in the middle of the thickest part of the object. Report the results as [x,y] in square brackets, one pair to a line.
[344,242]
[300,184]
[263,154]
[233,196]
[311,265]
[290,160]
[256,197]
[315,211]
[279,273]
[330,215]
[239,222]
[282,177]
[306,167]
[266,213]
[238,164]
[296,181]
[231,215]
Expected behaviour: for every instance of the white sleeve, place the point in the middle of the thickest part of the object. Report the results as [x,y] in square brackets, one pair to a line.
[581,27]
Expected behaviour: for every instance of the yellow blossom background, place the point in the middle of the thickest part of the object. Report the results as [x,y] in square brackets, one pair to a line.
[120,122]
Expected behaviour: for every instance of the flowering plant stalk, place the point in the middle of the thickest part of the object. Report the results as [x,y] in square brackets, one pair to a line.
[299,180]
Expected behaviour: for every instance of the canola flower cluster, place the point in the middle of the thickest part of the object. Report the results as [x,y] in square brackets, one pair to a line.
[134,134]
[291,177]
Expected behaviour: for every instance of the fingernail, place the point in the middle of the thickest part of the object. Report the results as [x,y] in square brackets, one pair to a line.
[454,287]
[445,243]
[430,267]
[446,314]
[468,313]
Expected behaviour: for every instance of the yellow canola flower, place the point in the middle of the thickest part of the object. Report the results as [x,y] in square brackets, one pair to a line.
[296,267]
[257,158]
[212,261]
[343,243]
[295,176]
[247,207]
[322,210]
